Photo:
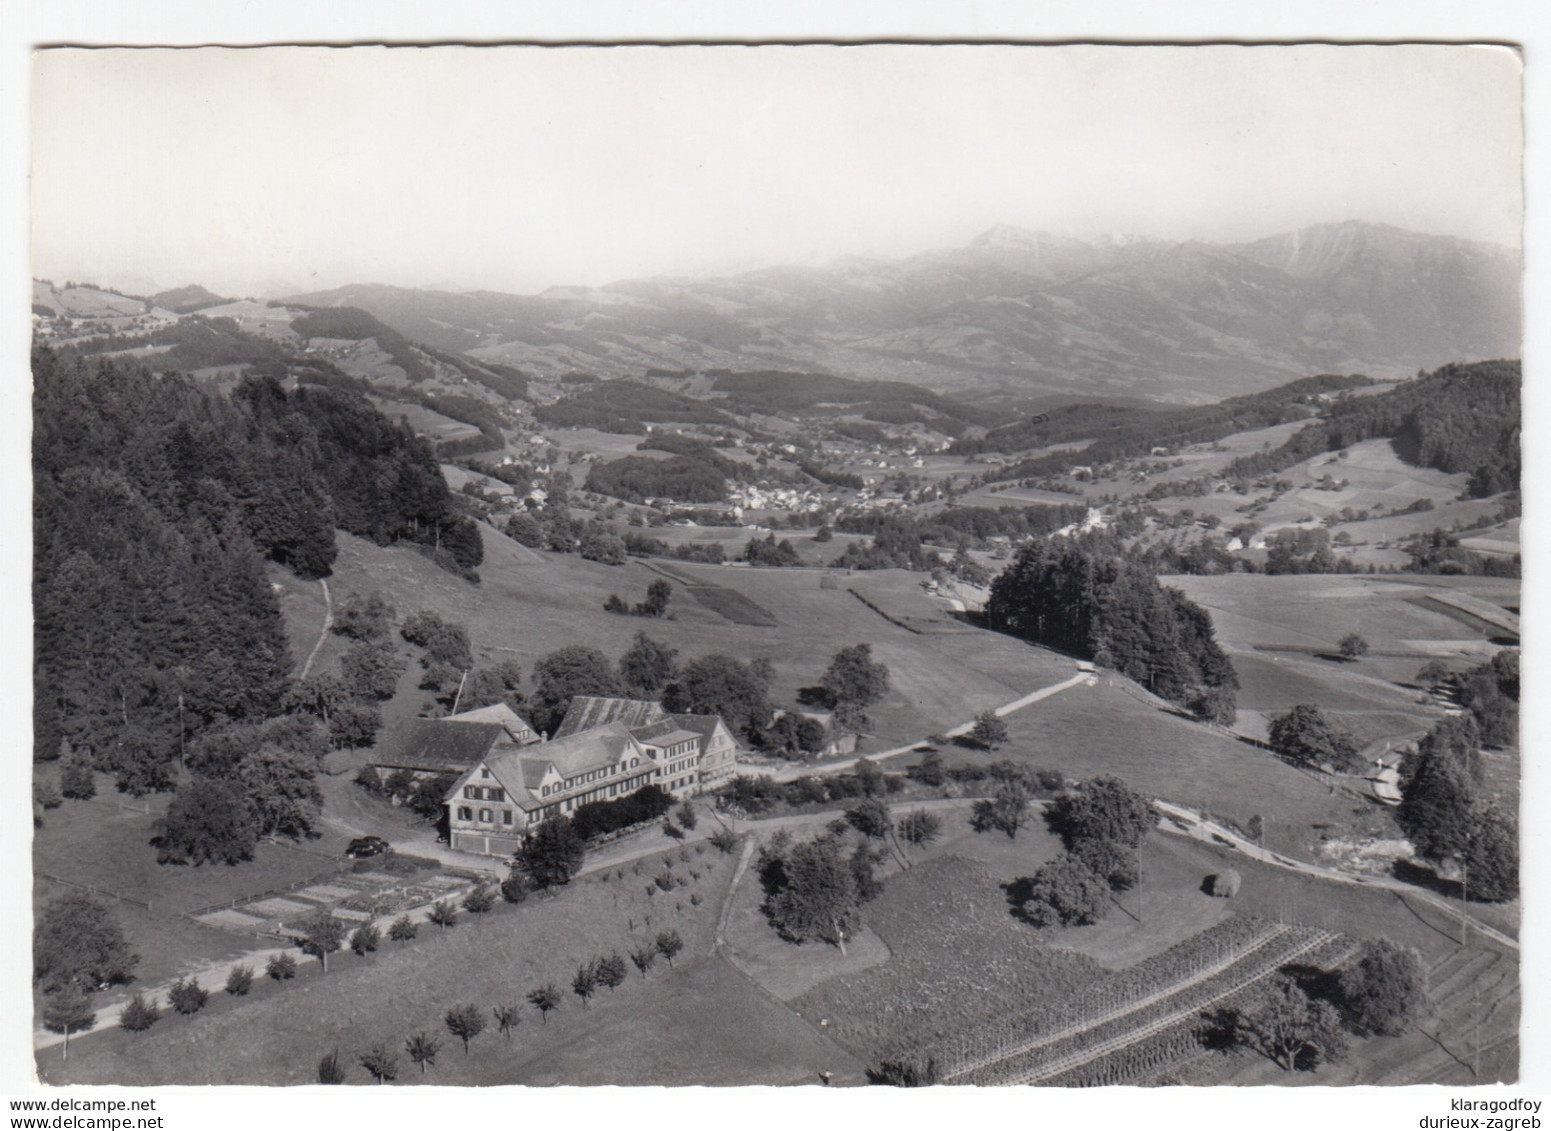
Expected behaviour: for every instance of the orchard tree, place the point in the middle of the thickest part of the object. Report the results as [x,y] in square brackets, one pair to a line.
[507,1018]
[77,942]
[1305,735]
[989,730]
[403,929]
[422,1049]
[1383,987]
[669,944]
[644,957]
[444,913]
[919,828]
[546,999]
[381,1061]
[611,970]
[465,1022]
[584,983]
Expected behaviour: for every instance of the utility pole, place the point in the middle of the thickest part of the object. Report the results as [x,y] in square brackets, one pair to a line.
[458,698]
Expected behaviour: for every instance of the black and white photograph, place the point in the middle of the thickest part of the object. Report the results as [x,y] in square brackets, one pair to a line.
[821,565]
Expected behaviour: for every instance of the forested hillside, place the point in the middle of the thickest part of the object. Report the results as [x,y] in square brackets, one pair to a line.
[1461,418]
[155,502]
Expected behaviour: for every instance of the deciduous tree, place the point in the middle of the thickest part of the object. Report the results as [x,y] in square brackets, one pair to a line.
[321,936]
[1305,735]
[1292,1029]
[546,999]
[78,942]
[422,1049]
[1383,987]
[552,853]
[465,1022]
[1102,808]
[67,1011]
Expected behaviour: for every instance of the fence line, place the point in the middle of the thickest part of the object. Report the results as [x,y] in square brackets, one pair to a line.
[94,890]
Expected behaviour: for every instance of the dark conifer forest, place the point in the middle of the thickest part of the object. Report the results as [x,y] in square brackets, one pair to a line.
[155,504]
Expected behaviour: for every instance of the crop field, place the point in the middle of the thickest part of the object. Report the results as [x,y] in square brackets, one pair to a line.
[277,1035]
[956,956]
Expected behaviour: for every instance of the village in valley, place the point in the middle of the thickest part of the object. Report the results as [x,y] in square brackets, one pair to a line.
[961,669]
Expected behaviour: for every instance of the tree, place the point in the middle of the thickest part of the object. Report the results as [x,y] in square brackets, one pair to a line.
[481,899]
[669,944]
[321,936]
[1491,856]
[815,895]
[515,888]
[403,929]
[559,676]
[1067,892]
[444,913]
[904,1074]
[919,828]
[372,670]
[507,1018]
[140,1014]
[1005,811]
[648,666]
[207,820]
[240,980]
[465,1022]
[1102,808]
[78,942]
[718,684]
[1305,735]
[1383,987]
[330,1071]
[658,594]
[1291,1028]
[422,1049]
[584,983]
[67,1011]
[989,730]
[282,791]
[364,617]
[686,815]
[546,999]
[1353,647]
[381,1061]
[445,642]
[552,853]
[1434,674]
[644,957]
[854,681]
[364,939]
[1437,810]
[281,967]
[611,970]
[76,778]
[187,996]
[723,840]
[1116,864]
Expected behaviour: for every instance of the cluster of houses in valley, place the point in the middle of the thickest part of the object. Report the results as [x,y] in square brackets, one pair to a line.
[509,778]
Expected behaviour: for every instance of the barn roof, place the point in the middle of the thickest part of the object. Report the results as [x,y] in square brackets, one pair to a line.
[431,744]
[589,711]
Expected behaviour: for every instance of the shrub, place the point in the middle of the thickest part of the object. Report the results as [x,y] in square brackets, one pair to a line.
[515,888]
[188,996]
[1066,892]
[444,913]
[330,1071]
[364,939]
[281,967]
[481,899]
[140,1014]
[239,981]
[403,929]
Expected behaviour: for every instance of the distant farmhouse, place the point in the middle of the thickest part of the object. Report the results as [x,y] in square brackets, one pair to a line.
[510,780]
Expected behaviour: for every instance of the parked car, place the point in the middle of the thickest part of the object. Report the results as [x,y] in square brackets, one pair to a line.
[366,846]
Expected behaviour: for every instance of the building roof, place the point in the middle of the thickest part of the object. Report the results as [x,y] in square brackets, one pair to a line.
[522,770]
[589,711]
[430,744]
[516,726]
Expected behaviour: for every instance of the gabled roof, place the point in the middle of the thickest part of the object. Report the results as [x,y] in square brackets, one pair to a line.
[521,770]
[589,711]
[516,726]
[430,744]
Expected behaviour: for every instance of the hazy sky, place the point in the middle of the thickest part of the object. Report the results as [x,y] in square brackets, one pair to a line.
[256,171]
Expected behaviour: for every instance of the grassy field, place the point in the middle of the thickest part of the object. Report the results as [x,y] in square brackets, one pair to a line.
[277,1036]
[531,603]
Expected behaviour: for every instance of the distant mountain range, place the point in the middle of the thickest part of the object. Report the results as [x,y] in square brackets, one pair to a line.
[1016,311]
